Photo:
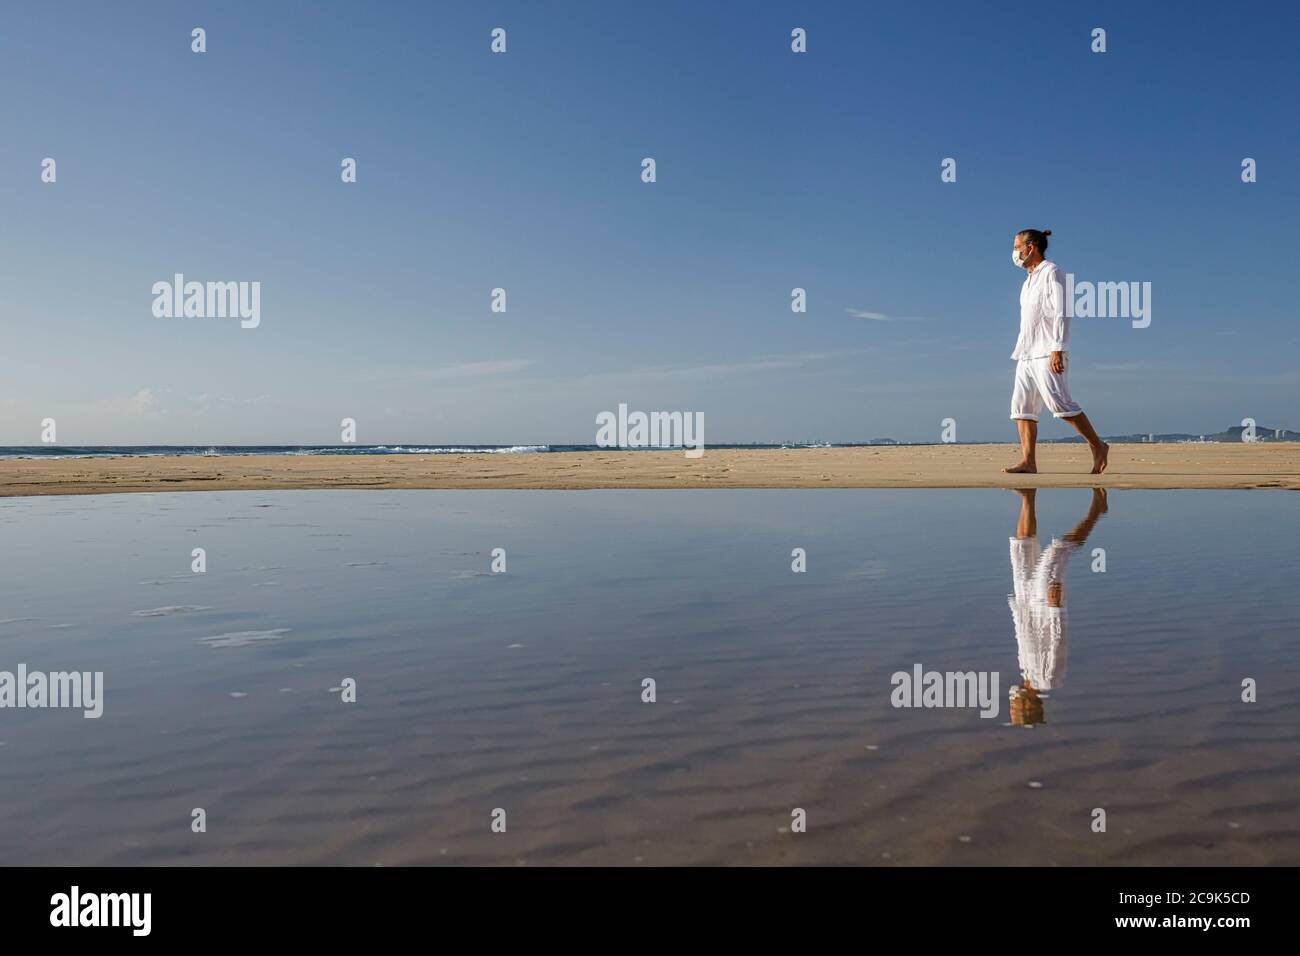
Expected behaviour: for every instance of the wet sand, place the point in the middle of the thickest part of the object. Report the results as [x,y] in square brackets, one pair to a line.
[929,466]
[523,690]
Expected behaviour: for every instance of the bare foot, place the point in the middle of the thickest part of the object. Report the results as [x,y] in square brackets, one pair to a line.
[1024,468]
[1099,459]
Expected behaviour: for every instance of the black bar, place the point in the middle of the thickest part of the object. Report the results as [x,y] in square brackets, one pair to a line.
[539,905]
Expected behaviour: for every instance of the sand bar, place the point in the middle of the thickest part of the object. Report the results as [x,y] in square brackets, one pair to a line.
[903,466]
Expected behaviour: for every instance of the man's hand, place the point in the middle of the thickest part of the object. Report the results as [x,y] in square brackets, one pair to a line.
[1058,362]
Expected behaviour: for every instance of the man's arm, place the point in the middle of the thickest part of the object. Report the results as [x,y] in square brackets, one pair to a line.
[1057,320]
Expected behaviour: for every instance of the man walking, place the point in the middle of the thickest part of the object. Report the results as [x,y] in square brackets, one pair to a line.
[1040,354]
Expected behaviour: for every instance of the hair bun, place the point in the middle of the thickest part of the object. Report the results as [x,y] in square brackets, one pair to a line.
[1047,232]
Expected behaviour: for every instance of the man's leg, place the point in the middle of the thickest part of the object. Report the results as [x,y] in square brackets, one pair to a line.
[1028,448]
[1079,533]
[1027,523]
[1026,403]
[1056,395]
[1100,450]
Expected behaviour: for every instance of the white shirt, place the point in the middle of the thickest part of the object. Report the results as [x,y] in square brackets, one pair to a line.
[1041,630]
[1044,318]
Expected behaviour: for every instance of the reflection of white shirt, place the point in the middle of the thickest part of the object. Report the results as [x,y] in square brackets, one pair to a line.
[1044,316]
[1040,628]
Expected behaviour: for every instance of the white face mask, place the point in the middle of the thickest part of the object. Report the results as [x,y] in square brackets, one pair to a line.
[1017,259]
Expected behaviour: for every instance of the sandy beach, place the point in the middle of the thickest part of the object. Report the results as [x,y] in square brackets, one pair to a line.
[931,466]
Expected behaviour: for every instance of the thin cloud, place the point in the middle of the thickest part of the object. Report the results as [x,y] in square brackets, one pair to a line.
[677,373]
[452,371]
[884,317]
[470,370]
[1124,368]
[146,403]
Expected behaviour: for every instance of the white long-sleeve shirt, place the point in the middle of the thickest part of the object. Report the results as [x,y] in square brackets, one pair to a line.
[1041,630]
[1044,314]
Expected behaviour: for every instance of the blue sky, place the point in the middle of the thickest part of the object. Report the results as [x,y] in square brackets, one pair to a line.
[522,170]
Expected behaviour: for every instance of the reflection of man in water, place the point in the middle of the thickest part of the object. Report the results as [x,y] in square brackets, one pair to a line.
[1038,603]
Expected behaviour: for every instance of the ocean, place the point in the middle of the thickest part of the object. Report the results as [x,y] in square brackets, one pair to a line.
[111,451]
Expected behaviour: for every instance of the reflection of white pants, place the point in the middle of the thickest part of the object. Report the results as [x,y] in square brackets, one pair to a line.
[1040,628]
[1037,385]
